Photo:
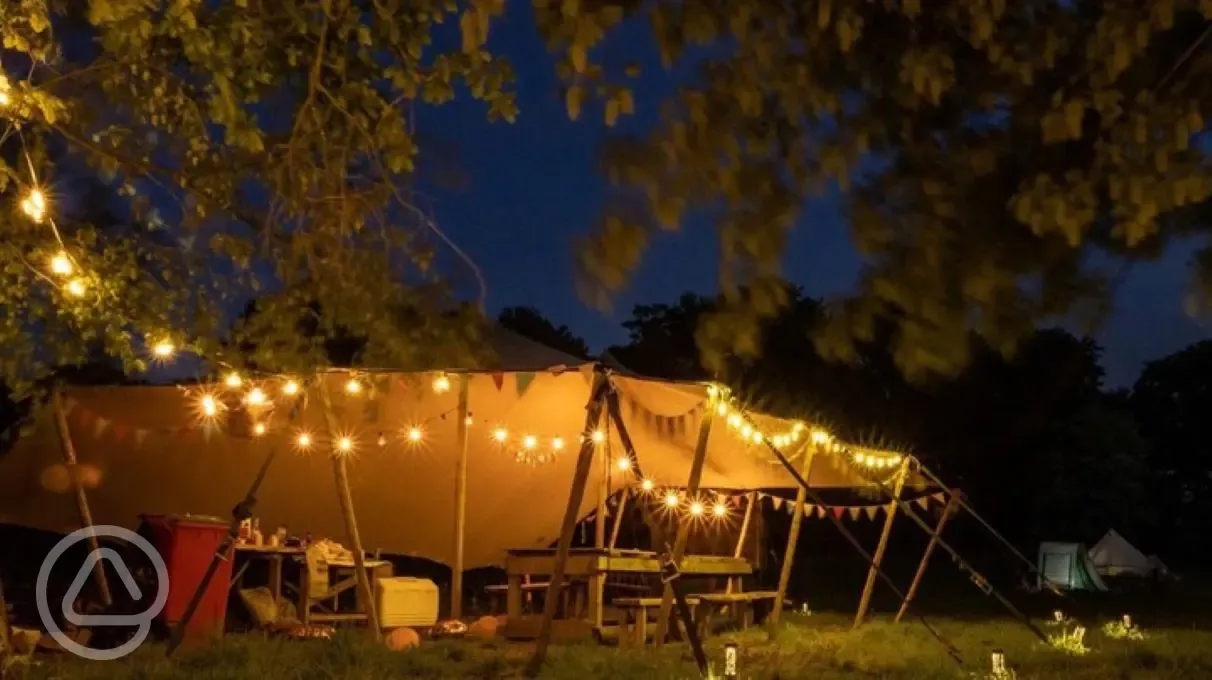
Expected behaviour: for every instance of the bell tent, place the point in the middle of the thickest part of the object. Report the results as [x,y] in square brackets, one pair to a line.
[1113,555]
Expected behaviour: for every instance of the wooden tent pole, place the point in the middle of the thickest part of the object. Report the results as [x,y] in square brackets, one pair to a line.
[793,537]
[683,535]
[744,532]
[951,507]
[616,418]
[456,573]
[86,514]
[618,518]
[345,497]
[865,599]
[576,495]
[599,519]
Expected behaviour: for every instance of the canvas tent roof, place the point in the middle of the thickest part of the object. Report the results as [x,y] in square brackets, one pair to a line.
[1114,555]
[152,457]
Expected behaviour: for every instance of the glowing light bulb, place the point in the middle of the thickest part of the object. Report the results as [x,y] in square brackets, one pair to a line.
[722,409]
[76,288]
[696,508]
[746,431]
[233,379]
[259,429]
[163,349]
[382,441]
[734,420]
[441,384]
[820,437]
[797,427]
[598,437]
[345,445]
[719,510]
[624,463]
[61,264]
[34,205]
[500,434]
[256,397]
[672,499]
[209,406]
[529,441]
[4,100]
[647,485]
[415,434]
[757,437]
[303,440]
[353,386]
[469,421]
[557,444]
[291,388]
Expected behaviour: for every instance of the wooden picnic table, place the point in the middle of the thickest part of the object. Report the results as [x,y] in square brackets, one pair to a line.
[592,565]
[307,595]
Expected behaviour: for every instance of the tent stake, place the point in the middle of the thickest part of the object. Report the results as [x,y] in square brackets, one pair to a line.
[86,514]
[345,497]
[948,510]
[575,497]
[456,572]
[882,547]
[683,534]
[797,519]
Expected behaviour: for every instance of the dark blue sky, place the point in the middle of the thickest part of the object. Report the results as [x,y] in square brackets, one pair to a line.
[533,186]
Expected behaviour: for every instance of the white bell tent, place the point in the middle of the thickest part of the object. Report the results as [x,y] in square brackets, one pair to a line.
[1113,555]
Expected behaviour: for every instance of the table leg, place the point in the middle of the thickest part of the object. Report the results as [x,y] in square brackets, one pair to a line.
[641,626]
[304,604]
[275,578]
[597,592]
[513,598]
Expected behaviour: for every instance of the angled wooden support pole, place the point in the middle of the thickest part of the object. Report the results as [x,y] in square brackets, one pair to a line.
[619,513]
[683,534]
[576,495]
[797,519]
[456,571]
[86,514]
[345,498]
[751,500]
[865,600]
[948,510]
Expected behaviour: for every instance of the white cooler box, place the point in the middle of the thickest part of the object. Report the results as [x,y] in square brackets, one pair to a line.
[411,602]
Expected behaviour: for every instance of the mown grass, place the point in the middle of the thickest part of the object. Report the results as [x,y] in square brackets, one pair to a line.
[820,647]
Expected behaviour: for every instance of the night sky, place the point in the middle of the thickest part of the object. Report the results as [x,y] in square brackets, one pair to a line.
[528,189]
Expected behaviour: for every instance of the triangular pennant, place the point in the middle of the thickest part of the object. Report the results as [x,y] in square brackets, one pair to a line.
[938,497]
[871,511]
[790,508]
[777,502]
[140,435]
[820,511]
[523,381]
[69,405]
[854,512]
[498,379]
[924,502]
[120,432]
[100,427]
[838,511]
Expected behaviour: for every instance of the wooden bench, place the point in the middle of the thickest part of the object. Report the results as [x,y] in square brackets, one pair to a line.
[637,610]
[741,606]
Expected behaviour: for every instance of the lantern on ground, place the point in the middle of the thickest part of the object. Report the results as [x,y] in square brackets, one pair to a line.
[731,664]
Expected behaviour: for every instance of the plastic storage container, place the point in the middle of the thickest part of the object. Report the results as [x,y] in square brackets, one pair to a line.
[187,544]
[404,601]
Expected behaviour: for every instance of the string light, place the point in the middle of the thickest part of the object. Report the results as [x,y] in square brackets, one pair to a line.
[647,485]
[415,434]
[624,463]
[259,429]
[291,388]
[303,441]
[233,380]
[672,499]
[209,406]
[746,430]
[734,420]
[441,383]
[76,288]
[696,508]
[757,437]
[719,509]
[345,445]
[256,397]
[557,444]
[820,437]
[598,437]
[353,386]
[500,434]
[382,441]
[468,421]
[61,264]
[34,204]
[722,408]
[529,441]
[163,349]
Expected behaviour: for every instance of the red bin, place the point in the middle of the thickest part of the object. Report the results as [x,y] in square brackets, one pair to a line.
[187,544]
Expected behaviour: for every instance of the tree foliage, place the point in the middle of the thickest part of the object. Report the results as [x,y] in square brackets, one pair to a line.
[270,141]
[985,148]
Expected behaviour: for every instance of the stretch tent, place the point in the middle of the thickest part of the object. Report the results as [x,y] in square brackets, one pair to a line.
[152,454]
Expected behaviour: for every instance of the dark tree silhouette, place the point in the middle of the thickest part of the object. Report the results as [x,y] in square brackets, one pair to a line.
[530,322]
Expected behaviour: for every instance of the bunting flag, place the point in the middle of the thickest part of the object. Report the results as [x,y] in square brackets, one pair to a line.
[854,512]
[872,510]
[924,502]
[498,379]
[100,426]
[120,432]
[776,502]
[820,512]
[938,497]
[838,511]
[523,380]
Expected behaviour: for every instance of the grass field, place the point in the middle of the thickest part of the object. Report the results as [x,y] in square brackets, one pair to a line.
[819,647]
